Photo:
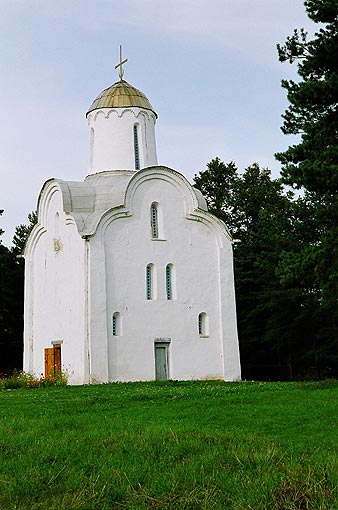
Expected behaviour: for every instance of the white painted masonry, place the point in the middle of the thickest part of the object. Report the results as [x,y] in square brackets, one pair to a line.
[86,261]
[111,143]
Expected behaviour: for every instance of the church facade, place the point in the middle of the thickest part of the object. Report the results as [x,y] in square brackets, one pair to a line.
[128,276]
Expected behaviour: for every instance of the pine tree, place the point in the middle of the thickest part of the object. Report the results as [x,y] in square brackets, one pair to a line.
[311,264]
[313,112]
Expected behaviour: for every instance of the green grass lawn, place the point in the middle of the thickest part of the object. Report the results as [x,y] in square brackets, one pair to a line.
[174,445]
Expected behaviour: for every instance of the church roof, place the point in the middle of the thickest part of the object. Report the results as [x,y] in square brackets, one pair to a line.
[121,95]
[110,193]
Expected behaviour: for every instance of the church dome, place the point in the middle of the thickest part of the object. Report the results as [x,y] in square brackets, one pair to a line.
[121,95]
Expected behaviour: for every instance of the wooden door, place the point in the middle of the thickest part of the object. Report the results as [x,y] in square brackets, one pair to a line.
[53,360]
[49,361]
[57,358]
[161,362]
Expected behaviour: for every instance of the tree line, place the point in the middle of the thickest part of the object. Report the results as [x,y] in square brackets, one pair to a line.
[284,329]
[12,297]
[285,230]
[286,265]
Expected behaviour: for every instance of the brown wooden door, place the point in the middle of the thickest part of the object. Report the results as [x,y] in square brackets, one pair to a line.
[52,360]
[57,358]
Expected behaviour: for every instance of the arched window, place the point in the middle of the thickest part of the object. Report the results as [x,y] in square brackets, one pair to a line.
[116,324]
[203,324]
[136,148]
[150,284]
[154,220]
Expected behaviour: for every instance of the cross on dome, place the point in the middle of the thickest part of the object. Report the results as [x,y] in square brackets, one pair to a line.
[120,64]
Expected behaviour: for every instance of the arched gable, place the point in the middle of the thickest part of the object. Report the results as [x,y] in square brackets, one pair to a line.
[195,206]
[90,204]
[48,193]
[67,197]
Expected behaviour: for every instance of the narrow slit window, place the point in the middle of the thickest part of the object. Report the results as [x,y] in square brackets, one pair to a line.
[116,324]
[149,281]
[154,220]
[168,279]
[203,324]
[136,148]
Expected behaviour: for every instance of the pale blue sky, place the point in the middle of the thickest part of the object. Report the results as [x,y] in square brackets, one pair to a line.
[208,67]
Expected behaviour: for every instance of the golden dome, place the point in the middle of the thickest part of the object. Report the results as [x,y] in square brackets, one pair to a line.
[120,95]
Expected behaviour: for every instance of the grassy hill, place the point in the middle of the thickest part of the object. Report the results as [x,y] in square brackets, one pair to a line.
[174,445]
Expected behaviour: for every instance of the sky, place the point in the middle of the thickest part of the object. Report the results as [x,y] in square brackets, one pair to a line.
[209,68]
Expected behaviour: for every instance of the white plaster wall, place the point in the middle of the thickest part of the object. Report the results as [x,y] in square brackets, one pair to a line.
[98,312]
[55,307]
[231,353]
[72,301]
[118,284]
[111,144]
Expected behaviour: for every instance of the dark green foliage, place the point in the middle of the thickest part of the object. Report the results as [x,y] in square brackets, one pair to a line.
[217,184]
[312,164]
[311,265]
[11,310]
[263,225]
[324,11]
[12,298]
[313,112]
[284,328]
[258,213]
[22,232]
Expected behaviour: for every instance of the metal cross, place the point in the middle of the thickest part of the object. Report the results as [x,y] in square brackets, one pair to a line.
[120,64]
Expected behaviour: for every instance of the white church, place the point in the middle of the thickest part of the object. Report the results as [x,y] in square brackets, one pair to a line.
[128,276]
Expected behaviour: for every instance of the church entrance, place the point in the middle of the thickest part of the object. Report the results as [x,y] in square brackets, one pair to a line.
[53,360]
[162,359]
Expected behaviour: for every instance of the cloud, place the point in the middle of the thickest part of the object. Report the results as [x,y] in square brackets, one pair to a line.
[238,25]
[209,67]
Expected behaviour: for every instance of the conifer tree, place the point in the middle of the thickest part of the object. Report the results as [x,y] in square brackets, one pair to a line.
[312,163]
[11,309]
